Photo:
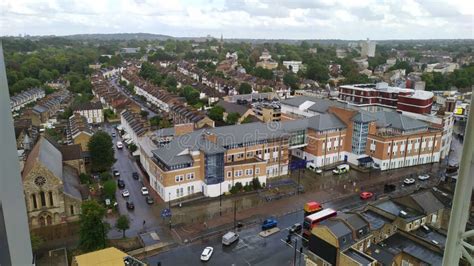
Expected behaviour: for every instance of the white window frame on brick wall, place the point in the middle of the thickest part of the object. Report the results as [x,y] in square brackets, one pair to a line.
[190,176]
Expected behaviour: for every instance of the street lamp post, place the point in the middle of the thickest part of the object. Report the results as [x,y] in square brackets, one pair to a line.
[169,206]
[294,256]
[220,199]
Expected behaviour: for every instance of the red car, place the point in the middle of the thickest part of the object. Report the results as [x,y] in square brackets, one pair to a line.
[366,195]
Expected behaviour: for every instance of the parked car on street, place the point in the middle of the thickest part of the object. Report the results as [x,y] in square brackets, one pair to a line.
[229,238]
[366,195]
[424,177]
[113,134]
[125,193]
[120,183]
[144,191]
[409,181]
[119,145]
[149,200]
[207,253]
[130,205]
[387,188]
[116,173]
[269,224]
[135,175]
[296,228]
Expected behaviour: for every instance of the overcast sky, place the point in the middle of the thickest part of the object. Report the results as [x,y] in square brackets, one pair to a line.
[278,19]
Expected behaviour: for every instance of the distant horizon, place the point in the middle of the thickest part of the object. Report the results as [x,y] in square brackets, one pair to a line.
[229,38]
[244,19]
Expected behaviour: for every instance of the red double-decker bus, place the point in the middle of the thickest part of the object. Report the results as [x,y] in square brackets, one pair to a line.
[312,220]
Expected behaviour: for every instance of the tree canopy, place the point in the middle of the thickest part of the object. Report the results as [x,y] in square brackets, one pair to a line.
[123,224]
[93,230]
[216,113]
[245,88]
[101,151]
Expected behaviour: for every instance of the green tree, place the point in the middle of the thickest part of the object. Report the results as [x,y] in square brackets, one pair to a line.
[245,88]
[45,75]
[109,189]
[291,80]
[190,94]
[155,121]
[165,123]
[123,224]
[317,71]
[216,113]
[233,118]
[170,81]
[144,113]
[101,151]
[36,241]
[93,230]
[263,73]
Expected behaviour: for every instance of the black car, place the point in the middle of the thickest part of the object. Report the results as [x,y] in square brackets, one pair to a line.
[120,183]
[296,228]
[135,175]
[149,200]
[130,205]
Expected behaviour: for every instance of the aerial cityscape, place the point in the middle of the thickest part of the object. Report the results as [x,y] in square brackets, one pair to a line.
[236,133]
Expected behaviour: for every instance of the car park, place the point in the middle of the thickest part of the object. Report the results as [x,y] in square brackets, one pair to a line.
[130,205]
[229,238]
[135,175]
[366,195]
[424,177]
[120,183]
[409,181]
[125,193]
[207,253]
[296,228]
[269,224]
[149,200]
[144,191]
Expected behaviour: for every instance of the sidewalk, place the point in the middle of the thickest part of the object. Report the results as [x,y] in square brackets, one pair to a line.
[217,222]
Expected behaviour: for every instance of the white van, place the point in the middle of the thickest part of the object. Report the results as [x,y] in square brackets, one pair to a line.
[341,169]
[312,167]
[119,145]
[229,238]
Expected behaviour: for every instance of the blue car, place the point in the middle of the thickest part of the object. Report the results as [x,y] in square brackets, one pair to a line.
[269,224]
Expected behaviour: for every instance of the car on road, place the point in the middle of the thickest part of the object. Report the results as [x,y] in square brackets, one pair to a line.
[296,228]
[366,195]
[269,224]
[149,200]
[144,191]
[116,173]
[229,238]
[207,253]
[135,175]
[120,183]
[125,193]
[409,181]
[424,177]
[130,205]
[387,188]
[341,169]
[119,145]
[113,134]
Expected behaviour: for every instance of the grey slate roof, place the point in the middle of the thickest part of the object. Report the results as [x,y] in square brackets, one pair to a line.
[325,122]
[376,221]
[341,231]
[227,135]
[427,201]
[398,121]
[233,107]
[71,182]
[165,132]
[398,242]
[359,257]
[50,157]
[364,117]
[319,106]
[394,209]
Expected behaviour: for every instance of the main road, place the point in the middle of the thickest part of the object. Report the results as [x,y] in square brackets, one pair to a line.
[252,249]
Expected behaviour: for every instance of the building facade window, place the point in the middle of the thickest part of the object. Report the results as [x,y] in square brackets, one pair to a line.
[51,201]
[71,209]
[359,137]
[189,176]
[43,199]
[33,199]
